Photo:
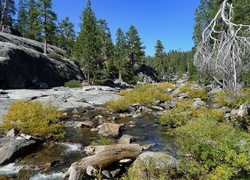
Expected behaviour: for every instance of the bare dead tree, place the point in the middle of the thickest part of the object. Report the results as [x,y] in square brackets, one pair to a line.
[224,51]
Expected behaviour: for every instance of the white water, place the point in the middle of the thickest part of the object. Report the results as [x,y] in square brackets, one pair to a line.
[10,169]
[54,176]
[72,147]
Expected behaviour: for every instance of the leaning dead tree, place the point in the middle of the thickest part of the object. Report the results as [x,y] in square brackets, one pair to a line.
[224,52]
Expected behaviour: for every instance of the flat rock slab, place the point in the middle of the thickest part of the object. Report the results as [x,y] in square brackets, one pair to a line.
[64,98]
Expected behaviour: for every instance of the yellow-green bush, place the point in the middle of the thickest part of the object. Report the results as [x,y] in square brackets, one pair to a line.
[143,94]
[177,116]
[34,118]
[119,105]
[164,86]
[218,150]
[184,112]
[198,93]
[223,98]
[186,88]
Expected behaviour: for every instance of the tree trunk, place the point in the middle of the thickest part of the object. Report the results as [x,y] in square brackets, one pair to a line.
[45,47]
[120,75]
[88,78]
[3,13]
[102,156]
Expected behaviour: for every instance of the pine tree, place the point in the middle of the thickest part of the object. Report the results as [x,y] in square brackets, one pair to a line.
[86,47]
[34,21]
[159,58]
[134,47]
[120,57]
[22,17]
[7,11]
[48,18]
[66,35]
[106,45]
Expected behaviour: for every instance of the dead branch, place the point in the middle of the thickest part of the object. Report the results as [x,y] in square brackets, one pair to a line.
[225,48]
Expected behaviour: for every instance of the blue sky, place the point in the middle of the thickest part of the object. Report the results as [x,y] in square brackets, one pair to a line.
[170,21]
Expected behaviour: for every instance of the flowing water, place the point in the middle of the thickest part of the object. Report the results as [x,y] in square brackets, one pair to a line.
[51,160]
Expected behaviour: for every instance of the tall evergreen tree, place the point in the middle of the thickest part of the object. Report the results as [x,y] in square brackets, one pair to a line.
[22,17]
[134,47]
[7,11]
[48,18]
[34,21]
[106,45]
[159,58]
[86,47]
[120,57]
[66,35]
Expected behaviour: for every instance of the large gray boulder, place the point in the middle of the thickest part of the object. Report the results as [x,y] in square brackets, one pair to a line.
[23,64]
[149,163]
[17,147]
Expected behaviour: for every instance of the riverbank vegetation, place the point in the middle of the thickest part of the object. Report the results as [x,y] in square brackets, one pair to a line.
[34,118]
[211,146]
[143,94]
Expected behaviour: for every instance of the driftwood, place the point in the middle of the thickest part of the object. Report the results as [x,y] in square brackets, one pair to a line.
[102,156]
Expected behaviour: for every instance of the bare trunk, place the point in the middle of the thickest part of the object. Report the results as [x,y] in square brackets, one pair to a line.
[88,78]
[120,75]
[102,157]
[223,51]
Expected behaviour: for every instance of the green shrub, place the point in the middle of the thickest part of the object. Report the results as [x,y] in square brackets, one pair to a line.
[198,93]
[184,112]
[216,150]
[164,86]
[119,105]
[186,88]
[143,94]
[174,119]
[102,141]
[34,118]
[73,84]
[223,98]
[177,116]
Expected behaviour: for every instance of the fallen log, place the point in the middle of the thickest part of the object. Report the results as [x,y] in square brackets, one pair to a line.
[102,156]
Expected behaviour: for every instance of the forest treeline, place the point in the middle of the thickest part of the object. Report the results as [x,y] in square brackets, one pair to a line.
[93,48]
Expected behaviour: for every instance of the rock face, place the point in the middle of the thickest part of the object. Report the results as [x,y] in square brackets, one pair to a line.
[23,64]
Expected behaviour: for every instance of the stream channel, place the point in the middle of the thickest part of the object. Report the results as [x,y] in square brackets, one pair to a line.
[51,160]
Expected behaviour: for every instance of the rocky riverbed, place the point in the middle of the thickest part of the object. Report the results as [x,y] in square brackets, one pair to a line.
[51,160]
